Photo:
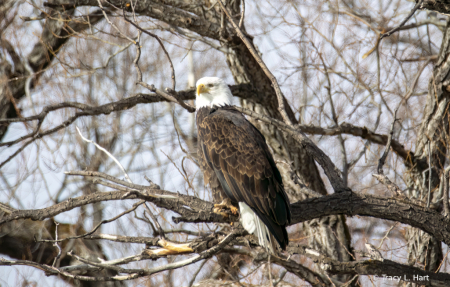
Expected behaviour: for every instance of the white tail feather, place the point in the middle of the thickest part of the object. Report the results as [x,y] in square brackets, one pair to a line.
[251,222]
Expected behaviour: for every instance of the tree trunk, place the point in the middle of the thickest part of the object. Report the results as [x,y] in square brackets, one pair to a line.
[432,140]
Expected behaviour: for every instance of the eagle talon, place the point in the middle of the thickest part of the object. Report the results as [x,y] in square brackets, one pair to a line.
[225,204]
[219,211]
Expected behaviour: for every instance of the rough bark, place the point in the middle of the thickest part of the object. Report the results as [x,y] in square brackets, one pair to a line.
[441,6]
[433,135]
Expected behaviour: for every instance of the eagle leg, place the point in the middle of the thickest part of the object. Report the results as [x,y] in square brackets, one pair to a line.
[225,204]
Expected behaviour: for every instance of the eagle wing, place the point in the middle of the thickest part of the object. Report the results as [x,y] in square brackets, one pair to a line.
[209,176]
[240,158]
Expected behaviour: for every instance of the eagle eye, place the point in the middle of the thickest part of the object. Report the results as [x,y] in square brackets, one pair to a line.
[210,85]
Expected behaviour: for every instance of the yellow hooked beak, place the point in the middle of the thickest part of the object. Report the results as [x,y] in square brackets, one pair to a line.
[202,89]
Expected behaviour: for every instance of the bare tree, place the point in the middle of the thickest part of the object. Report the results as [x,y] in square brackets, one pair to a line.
[98,170]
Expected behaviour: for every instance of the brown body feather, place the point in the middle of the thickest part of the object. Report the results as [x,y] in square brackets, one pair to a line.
[237,163]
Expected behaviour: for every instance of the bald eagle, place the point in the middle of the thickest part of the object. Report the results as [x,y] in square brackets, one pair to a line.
[235,159]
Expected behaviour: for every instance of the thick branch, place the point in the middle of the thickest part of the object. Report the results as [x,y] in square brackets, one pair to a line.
[394,209]
[388,268]
[198,22]
[198,211]
[348,203]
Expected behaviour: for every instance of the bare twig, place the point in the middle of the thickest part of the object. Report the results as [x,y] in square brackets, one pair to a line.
[416,7]
[431,58]
[388,145]
[443,260]
[196,273]
[416,80]
[331,281]
[107,153]
[134,187]
[28,84]
[168,97]
[112,24]
[241,21]
[152,184]
[195,37]
[430,169]
[155,220]
[345,248]
[446,197]
[269,270]
[386,235]
[160,43]
[56,271]
[282,275]
[136,205]
[92,70]
[380,173]
[351,281]
[345,165]
[16,152]
[56,245]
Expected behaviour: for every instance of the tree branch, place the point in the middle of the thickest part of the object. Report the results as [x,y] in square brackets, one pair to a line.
[371,267]
[416,7]
[347,202]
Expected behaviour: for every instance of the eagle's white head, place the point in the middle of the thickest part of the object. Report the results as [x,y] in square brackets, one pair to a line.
[212,91]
